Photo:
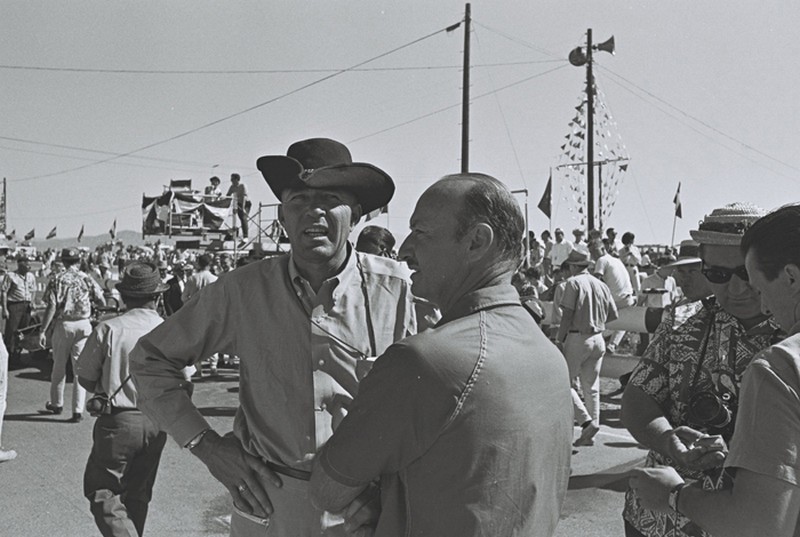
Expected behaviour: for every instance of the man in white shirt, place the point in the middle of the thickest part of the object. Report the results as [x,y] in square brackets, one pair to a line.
[580,244]
[560,249]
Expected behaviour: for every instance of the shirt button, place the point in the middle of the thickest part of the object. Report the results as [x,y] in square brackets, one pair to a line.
[323,406]
[321,363]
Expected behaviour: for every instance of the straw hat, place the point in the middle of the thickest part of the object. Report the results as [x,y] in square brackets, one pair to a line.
[141,279]
[726,225]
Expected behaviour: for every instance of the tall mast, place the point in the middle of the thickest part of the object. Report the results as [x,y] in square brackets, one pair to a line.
[589,133]
[465,96]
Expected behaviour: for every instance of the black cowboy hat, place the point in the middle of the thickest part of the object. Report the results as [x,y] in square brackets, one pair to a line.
[324,163]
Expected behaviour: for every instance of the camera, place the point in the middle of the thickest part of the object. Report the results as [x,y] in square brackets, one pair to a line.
[98,405]
[712,413]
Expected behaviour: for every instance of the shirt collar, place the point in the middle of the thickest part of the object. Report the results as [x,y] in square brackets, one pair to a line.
[481,299]
[343,277]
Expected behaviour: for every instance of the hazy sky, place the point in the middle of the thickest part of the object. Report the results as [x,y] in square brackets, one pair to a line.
[702,92]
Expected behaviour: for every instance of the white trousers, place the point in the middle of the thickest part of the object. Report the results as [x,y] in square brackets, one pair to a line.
[584,355]
[69,337]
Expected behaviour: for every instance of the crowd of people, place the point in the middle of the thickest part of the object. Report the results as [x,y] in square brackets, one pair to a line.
[433,389]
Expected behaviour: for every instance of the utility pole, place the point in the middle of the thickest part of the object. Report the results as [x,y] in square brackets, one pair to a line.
[465,95]
[589,133]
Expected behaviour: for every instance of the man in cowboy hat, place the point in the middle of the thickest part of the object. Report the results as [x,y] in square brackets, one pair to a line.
[682,397]
[586,306]
[300,324]
[68,298]
[127,445]
[213,190]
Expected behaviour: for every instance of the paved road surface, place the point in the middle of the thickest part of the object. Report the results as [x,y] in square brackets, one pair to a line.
[42,489]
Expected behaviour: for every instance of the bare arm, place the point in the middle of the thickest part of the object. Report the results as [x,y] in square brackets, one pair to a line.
[644,419]
[566,321]
[756,505]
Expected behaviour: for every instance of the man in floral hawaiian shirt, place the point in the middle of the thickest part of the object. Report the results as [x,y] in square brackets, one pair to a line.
[682,397]
[69,296]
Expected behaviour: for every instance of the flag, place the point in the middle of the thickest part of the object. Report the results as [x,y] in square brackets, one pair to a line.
[52,234]
[546,202]
[677,202]
[31,234]
[113,230]
[13,235]
[80,234]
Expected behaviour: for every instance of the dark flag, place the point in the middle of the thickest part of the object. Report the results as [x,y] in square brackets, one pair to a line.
[12,236]
[677,202]
[547,198]
[113,230]
[52,234]
[80,234]
[31,234]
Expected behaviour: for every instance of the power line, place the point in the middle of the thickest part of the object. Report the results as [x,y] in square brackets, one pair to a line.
[237,114]
[255,71]
[89,150]
[440,110]
[522,42]
[703,123]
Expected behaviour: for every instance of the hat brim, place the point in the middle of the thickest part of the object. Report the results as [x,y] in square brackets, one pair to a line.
[684,261]
[372,187]
[137,293]
[716,238]
[579,263]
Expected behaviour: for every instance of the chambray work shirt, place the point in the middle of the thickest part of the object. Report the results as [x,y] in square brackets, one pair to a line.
[297,351]
[19,288]
[104,358]
[468,425]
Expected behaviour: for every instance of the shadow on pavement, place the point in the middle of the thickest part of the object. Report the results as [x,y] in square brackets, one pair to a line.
[218,411]
[38,418]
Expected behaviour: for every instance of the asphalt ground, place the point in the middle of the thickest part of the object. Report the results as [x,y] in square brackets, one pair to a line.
[43,487]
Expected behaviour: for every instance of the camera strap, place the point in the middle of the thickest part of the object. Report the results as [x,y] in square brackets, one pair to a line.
[111,397]
[704,347]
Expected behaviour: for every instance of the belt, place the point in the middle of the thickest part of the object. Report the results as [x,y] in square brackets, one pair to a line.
[287,471]
[574,331]
[19,301]
[118,410]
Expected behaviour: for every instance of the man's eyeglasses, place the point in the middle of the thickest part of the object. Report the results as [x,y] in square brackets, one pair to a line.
[724,275]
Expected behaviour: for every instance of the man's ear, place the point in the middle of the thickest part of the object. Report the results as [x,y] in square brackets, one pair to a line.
[792,274]
[481,239]
[355,215]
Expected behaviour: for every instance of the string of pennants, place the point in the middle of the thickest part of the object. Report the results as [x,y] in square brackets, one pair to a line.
[610,149]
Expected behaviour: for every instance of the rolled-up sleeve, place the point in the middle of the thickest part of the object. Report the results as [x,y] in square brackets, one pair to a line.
[193,333]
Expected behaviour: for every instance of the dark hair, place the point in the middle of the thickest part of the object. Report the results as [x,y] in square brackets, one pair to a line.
[628,238]
[488,201]
[375,240]
[598,243]
[236,176]
[204,260]
[775,240]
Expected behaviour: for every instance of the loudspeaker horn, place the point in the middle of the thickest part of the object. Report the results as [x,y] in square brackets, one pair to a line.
[607,45]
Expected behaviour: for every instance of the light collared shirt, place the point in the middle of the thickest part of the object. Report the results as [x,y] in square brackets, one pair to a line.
[19,288]
[560,251]
[297,351]
[104,358]
[591,301]
[195,282]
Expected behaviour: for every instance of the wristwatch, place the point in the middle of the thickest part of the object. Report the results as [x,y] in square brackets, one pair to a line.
[674,494]
[194,442]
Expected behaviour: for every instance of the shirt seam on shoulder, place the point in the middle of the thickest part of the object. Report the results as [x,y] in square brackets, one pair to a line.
[473,377]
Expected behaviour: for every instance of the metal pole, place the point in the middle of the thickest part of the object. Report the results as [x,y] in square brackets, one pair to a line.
[589,134]
[465,96]
[599,197]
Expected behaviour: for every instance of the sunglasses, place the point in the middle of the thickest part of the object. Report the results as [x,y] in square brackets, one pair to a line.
[724,275]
